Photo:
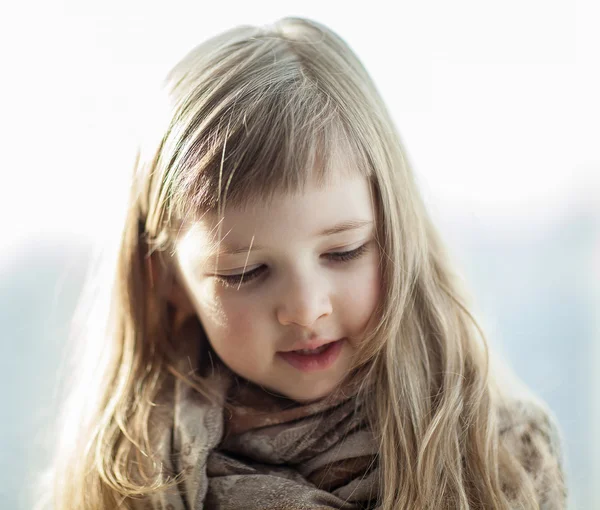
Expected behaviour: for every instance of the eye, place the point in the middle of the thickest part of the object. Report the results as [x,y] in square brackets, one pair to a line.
[345,256]
[234,280]
[237,280]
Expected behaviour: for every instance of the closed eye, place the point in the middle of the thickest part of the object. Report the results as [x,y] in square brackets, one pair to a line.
[230,280]
[237,280]
[344,256]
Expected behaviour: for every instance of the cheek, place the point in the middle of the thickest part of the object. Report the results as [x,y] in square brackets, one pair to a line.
[241,323]
[361,294]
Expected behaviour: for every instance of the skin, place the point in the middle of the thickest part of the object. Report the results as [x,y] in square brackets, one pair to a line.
[300,291]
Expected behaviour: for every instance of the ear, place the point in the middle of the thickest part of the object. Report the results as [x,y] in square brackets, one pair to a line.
[165,278]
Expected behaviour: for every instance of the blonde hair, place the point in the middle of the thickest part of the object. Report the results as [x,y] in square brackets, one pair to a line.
[245,115]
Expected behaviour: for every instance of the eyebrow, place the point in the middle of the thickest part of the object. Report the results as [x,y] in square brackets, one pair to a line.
[344,226]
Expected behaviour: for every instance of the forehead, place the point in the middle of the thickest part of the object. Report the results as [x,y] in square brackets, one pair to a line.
[255,170]
[288,217]
[314,200]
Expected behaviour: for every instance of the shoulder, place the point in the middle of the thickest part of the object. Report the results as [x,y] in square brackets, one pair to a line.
[523,416]
[530,431]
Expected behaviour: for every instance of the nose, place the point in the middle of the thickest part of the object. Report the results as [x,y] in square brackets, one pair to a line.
[304,300]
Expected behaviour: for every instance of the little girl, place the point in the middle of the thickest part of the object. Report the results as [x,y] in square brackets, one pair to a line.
[285,330]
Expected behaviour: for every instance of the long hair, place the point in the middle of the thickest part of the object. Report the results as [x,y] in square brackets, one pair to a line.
[243,116]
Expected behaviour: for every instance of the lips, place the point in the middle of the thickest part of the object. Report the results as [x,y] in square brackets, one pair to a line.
[312,345]
[322,360]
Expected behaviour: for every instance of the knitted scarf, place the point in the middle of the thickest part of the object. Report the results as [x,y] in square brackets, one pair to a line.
[254,450]
[263,451]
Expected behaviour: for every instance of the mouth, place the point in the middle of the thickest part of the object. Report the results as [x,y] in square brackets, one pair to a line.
[312,347]
[310,360]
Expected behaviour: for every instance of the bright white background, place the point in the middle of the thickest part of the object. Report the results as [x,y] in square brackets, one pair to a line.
[498,107]
[497,101]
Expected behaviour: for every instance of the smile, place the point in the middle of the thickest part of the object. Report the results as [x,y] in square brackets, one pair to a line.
[313,360]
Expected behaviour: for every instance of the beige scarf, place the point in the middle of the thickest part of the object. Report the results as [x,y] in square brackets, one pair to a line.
[264,451]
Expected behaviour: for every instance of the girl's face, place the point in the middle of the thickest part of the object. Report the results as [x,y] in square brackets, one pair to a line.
[292,274]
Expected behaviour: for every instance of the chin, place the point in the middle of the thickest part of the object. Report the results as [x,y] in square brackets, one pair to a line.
[309,397]
[307,400]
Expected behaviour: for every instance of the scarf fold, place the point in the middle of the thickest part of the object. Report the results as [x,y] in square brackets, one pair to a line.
[262,451]
[254,450]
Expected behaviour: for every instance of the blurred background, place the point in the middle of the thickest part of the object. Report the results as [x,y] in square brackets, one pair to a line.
[497,105]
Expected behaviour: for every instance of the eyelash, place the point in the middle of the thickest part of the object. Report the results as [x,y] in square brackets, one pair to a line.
[245,278]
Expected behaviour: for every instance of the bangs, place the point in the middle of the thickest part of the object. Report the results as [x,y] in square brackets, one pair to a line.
[269,140]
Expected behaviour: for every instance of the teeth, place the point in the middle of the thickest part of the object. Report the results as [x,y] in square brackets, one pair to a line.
[313,351]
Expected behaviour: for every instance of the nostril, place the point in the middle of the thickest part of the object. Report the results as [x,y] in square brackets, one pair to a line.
[304,317]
